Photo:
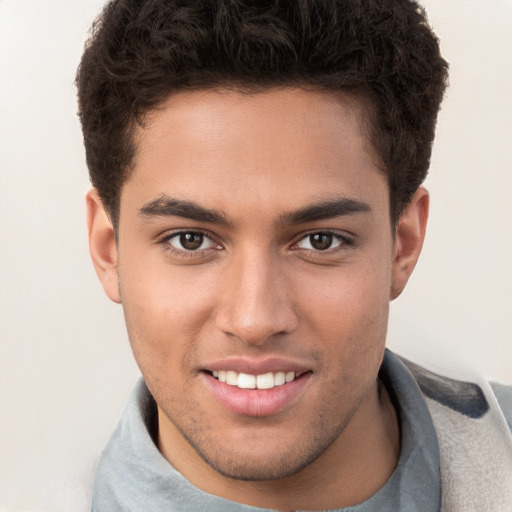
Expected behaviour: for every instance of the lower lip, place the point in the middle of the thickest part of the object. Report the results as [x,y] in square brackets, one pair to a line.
[257,402]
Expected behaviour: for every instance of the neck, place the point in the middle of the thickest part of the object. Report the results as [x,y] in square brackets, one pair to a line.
[354,467]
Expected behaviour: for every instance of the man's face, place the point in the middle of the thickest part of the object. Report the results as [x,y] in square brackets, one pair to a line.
[254,239]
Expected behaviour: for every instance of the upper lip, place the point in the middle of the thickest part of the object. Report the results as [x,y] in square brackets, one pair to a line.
[257,367]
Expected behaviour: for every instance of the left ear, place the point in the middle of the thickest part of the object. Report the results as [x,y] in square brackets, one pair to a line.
[409,236]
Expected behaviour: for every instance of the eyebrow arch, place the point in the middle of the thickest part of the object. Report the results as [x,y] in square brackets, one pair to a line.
[165,206]
[324,210]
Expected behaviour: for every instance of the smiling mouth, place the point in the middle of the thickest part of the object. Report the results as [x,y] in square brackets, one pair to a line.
[249,393]
[267,380]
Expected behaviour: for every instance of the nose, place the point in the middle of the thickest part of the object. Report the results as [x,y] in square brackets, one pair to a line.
[255,303]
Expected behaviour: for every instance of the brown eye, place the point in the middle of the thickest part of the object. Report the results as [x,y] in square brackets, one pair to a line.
[190,241]
[321,241]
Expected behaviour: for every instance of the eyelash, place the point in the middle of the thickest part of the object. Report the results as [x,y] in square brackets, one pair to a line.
[184,253]
[344,240]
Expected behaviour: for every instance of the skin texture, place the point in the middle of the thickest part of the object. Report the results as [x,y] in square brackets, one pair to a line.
[258,290]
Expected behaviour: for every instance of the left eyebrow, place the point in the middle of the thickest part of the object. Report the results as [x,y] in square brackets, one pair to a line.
[324,210]
[165,206]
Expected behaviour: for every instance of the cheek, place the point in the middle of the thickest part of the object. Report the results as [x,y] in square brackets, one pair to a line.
[165,309]
[347,313]
[351,299]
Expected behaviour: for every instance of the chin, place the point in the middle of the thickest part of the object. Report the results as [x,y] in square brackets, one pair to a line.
[263,461]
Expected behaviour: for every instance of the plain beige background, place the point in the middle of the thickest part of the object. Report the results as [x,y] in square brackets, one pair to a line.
[65,363]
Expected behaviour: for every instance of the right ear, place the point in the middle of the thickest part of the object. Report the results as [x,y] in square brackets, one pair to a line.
[102,245]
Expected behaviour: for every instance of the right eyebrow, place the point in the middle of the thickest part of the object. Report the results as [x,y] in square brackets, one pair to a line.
[165,206]
[325,210]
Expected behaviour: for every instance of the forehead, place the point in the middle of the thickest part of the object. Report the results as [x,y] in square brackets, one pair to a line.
[272,149]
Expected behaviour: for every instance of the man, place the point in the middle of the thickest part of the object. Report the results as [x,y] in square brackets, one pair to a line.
[257,203]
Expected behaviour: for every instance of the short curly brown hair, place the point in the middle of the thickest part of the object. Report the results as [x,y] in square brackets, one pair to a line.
[383,52]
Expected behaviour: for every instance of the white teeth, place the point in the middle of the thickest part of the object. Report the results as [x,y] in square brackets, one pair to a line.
[279,378]
[246,381]
[265,381]
[231,378]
